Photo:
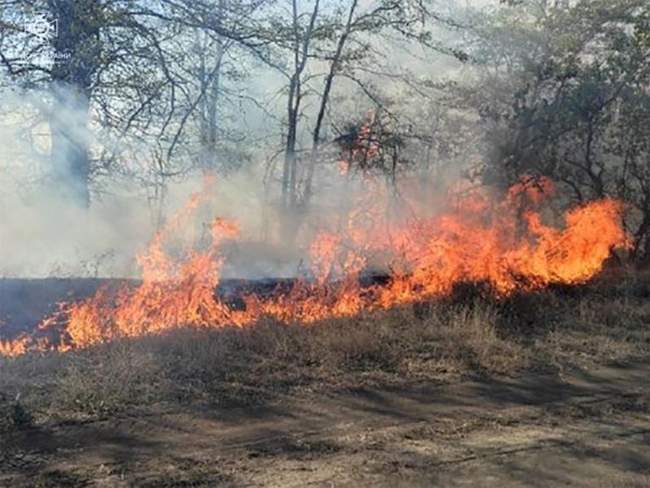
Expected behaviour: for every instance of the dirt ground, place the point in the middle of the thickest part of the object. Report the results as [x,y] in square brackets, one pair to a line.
[579,428]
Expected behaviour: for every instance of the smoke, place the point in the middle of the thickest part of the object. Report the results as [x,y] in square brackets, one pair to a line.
[42,234]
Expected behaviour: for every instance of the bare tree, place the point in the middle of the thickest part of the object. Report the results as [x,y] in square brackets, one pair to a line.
[116,61]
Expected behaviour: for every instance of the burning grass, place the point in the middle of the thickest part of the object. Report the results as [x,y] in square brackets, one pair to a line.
[475,237]
[169,339]
[442,340]
[244,365]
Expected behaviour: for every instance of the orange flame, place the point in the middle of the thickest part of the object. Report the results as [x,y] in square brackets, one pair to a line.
[476,239]
[14,347]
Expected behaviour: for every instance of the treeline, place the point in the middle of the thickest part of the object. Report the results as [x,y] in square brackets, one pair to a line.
[565,93]
[163,74]
[531,87]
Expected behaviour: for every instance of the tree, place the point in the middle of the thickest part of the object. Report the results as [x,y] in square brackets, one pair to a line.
[563,90]
[324,43]
[115,65]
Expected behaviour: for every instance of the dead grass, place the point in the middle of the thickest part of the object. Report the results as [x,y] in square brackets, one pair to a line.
[431,342]
[599,330]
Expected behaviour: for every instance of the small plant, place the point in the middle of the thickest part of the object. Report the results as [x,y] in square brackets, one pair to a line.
[14,415]
[20,416]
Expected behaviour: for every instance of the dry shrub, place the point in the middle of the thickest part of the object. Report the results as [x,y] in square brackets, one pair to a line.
[242,366]
[366,342]
[13,414]
[476,330]
[594,329]
[468,340]
[527,315]
[108,378]
[427,341]
[26,387]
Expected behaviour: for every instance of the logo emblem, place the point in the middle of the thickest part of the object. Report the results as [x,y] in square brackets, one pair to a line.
[41,26]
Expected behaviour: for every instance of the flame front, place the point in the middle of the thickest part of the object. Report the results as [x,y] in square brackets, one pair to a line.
[505,243]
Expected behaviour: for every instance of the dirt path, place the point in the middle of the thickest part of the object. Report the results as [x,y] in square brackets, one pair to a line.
[584,429]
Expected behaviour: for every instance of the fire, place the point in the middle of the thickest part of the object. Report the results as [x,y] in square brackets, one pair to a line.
[14,348]
[509,243]
[324,297]
[500,251]
[172,293]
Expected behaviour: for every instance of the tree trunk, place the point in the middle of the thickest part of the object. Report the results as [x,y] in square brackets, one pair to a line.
[76,48]
[301,43]
[211,88]
[69,145]
[289,168]
[329,81]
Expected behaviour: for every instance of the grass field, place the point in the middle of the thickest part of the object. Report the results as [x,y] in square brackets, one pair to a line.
[442,393]
[468,334]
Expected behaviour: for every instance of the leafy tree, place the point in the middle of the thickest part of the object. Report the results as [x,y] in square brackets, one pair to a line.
[563,92]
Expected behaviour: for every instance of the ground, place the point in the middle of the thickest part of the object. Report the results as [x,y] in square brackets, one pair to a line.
[579,428]
[541,389]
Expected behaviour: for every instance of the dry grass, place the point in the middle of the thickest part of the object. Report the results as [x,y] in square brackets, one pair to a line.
[432,342]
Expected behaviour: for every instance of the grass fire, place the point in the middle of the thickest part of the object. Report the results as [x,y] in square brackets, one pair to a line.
[324,243]
[476,239]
